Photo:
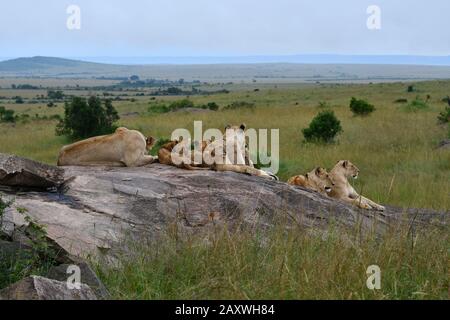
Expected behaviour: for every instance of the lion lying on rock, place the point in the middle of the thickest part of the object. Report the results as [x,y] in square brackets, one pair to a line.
[166,156]
[318,180]
[216,153]
[122,148]
[343,190]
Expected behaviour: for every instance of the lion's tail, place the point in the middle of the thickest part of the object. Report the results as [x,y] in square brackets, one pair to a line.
[296,180]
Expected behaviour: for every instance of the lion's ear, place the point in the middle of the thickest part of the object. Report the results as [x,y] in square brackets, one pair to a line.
[345,163]
[306,176]
[243,126]
[227,126]
[318,171]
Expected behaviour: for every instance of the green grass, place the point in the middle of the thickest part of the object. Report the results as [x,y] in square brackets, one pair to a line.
[281,264]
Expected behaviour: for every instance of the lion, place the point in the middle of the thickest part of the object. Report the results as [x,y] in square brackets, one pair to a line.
[165,156]
[317,180]
[122,148]
[342,189]
[238,162]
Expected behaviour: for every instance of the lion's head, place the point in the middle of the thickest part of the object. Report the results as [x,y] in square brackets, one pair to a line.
[150,142]
[347,168]
[321,178]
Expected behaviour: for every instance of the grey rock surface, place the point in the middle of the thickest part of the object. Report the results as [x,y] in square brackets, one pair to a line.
[40,288]
[98,209]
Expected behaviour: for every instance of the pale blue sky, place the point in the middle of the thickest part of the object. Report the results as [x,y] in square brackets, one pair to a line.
[223,27]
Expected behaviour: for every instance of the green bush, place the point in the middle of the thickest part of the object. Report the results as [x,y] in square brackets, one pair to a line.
[240,105]
[7,115]
[158,108]
[444,116]
[181,104]
[84,119]
[213,106]
[323,128]
[361,107]
[416,105]
[411,88]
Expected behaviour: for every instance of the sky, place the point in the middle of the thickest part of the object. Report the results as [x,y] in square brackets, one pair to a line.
[182,28]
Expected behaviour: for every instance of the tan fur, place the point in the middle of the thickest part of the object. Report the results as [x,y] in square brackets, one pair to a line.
[318,180]
[342,189]
[165,156]
[122,148]
[246,166]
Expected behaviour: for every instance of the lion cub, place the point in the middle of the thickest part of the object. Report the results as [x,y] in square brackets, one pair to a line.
[122,148]
[318,180]
[342,189]
[165,156]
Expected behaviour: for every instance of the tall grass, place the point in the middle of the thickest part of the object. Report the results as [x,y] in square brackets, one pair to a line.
[281,264]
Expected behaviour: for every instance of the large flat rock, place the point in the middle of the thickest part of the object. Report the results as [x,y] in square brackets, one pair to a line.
[98,209]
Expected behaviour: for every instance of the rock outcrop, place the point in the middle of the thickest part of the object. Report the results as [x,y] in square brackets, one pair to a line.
[40,288]
[94,210]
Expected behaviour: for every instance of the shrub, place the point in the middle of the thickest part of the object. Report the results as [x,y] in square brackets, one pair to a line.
[19,100]
[444,116]
[83,119]
[7,115]
[213,106]
[240,105]
[416,105]
[361,107]
[401,100]
[411,88]
[181,104]
[323,128]
[158,108]
[55,95]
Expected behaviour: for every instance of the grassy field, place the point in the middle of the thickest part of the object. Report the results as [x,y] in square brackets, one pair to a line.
[285,265]
[394,148]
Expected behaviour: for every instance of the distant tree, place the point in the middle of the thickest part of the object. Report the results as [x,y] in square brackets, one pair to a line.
[19,100]
[213,106]
[323,128]
[411,88]
[174,90]
[7,115]
[84,119]
[55,95]
[181,104]
[134,78]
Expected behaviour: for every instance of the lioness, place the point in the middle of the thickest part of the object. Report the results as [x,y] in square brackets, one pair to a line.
[234,138]
[318,180]
[122,148]
[342,189]
[165,156]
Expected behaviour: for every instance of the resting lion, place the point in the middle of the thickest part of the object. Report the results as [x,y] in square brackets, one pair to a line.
[342,189]
[165,156]
[122,148]
[240,160]
[318,180]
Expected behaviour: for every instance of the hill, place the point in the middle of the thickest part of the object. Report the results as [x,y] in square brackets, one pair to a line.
[237,72]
